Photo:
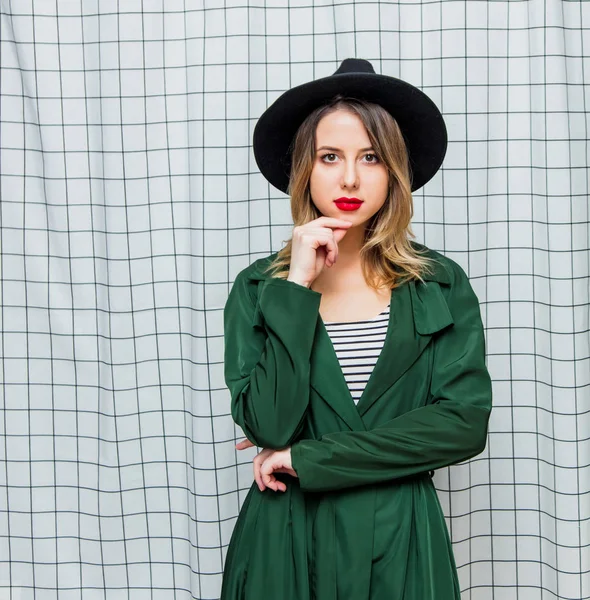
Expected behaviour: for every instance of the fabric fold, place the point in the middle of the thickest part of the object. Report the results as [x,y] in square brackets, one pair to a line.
[267,352]
[362,519]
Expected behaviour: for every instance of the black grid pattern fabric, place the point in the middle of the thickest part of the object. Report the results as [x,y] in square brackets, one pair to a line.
[130,200]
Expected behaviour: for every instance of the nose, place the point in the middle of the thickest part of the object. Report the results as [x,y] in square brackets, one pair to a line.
[350,175]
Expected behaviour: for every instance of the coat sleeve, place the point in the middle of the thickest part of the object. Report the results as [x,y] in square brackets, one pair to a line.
[267,352]
[451,428]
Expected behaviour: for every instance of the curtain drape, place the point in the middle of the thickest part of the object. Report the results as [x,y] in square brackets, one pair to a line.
[130,200]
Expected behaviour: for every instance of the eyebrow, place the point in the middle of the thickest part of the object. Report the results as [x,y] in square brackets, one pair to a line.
[340,150]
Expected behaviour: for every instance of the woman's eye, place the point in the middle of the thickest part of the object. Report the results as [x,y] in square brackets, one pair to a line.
[331,157]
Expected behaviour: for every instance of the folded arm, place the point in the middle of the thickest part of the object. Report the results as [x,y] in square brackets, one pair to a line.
[267,365]
[451,428]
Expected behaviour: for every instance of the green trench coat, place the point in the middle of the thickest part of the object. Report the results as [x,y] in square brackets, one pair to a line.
[362,520]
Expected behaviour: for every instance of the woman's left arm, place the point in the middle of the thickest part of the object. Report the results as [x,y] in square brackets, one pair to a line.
[450,429]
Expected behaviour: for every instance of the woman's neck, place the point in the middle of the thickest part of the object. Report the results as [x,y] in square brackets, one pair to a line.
[345,274]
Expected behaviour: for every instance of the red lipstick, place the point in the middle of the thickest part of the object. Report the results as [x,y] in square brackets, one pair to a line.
[348,204]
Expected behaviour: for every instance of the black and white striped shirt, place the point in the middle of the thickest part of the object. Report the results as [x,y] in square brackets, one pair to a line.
[357,346]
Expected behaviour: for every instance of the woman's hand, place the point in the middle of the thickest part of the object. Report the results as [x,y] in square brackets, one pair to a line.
[266,463]
[278,461]
[244,444]
[315,245]
[257,461]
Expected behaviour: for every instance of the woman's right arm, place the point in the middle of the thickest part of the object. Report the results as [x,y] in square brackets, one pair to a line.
[267,365]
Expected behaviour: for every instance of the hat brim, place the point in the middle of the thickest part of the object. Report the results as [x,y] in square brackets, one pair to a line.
[419,119]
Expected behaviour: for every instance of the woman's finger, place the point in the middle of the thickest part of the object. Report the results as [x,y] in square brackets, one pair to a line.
[274,484]
[244,444]
[332,250]
[257,476]
[257,462]
[268,479]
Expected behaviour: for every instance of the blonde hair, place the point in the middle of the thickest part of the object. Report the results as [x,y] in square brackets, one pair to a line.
[388,257]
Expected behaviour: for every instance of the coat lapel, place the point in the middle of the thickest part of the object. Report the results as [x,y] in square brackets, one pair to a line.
[327,379]
[400,349]
[418,310]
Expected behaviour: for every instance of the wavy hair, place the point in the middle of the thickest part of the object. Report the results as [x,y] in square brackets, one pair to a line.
[388,257]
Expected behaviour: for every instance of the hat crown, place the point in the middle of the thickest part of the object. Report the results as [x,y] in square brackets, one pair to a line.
[355,65]
[418,118]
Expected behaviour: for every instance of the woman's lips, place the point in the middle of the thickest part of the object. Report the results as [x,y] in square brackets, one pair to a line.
[347,204]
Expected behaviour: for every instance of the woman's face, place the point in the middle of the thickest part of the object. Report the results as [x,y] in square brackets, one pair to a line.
[345,166]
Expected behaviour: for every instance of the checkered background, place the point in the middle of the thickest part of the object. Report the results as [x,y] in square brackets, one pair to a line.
[129,202]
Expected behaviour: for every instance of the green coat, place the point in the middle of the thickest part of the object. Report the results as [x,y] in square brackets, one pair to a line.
[362,520]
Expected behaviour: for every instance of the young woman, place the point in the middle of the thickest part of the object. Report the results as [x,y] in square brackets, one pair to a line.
[354,356]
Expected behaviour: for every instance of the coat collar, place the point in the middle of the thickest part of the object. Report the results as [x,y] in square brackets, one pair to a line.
[418,310]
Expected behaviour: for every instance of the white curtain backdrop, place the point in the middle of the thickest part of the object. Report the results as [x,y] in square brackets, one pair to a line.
[130,199]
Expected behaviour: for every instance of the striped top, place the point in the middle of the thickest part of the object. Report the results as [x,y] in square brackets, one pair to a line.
[357,346]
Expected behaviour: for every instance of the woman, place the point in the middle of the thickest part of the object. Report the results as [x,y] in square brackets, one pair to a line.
[354,357]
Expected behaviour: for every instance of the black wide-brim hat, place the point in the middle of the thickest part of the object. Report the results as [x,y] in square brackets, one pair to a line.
[419,119]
